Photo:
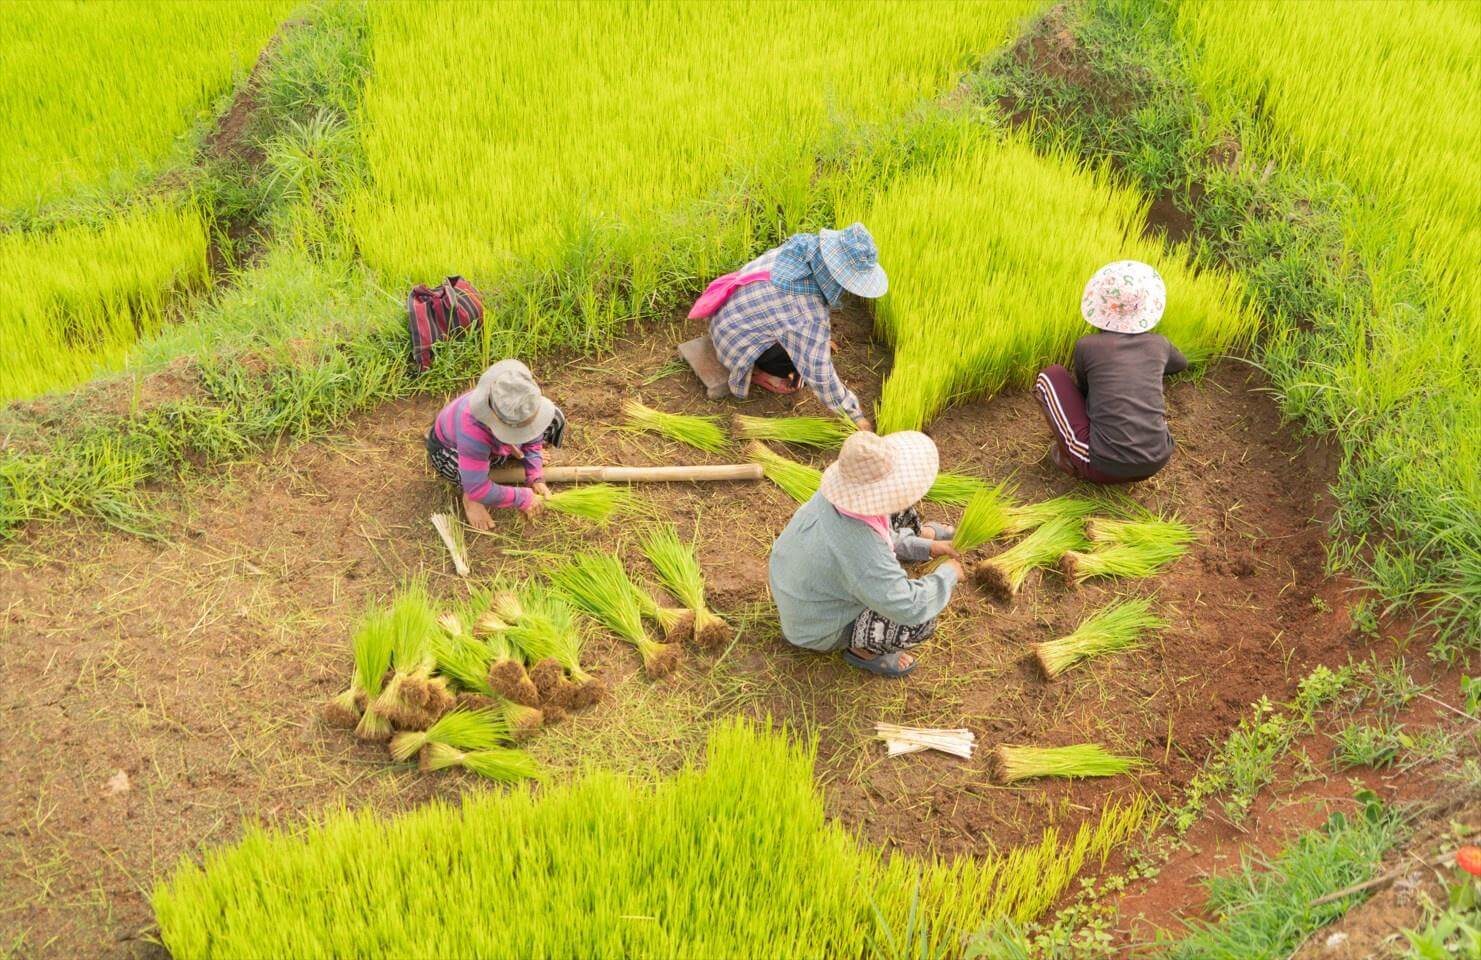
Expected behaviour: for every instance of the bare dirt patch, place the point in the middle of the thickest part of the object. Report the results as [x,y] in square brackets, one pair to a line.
[195,666]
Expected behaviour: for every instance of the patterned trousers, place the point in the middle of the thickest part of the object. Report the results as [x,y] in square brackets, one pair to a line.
[880,635]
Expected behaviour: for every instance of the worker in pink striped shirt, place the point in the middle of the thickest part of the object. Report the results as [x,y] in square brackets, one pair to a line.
[503,419]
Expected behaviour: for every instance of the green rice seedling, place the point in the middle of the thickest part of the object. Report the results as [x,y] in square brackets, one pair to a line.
[465,729]
[679,570]
[497,665]
[1127,548]
[1004,573]
[549,635]
[820,433]
[599,502]
[501,765]
[1114,628]
[372,648]
[797,480]
[955,489]
[412,699]
[599,586]
[985,518]
[1016,763]
[701,433]
[1151,530]
[677,623]
[1024,517]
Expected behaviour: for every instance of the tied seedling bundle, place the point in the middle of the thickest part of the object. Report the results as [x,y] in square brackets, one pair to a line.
[819,433]
[599,586]
[413,698]
[546,631]
[679,570]
[1003,574]
[487,673]
[701,433]
[1127,548]
[1081,760]
[597,502]
[984,519]
[797,480]
[1030,516]
[1114,628]
[466,729]
[371,645]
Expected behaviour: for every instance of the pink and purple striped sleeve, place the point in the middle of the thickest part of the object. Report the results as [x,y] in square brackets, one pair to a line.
[476,447]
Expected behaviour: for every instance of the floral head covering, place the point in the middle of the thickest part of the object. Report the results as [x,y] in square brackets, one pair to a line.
[1127,296]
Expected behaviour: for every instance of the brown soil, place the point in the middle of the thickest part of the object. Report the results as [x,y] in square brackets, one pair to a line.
[197,666]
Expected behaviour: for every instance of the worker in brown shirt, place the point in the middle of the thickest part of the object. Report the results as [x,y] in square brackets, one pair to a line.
[1108,420]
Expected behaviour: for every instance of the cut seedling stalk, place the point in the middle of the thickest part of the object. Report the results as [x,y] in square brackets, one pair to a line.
[598,502]
[501,765]
[450,529]
[1114,628]
[679,570]
[1082,760]
[1028,516]
[1003,574]
[467,730]
[702,433]
[1127,548]
[599,586]
[797,480]
[984,519]
[955,489]
[820,433]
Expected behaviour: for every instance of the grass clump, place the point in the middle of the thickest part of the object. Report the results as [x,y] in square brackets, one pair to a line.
[1003,575]
[1127,548]
[598,502]
[599,586]
[984,519]
[1114,628]
[797,480]
[679,570]
[819,433]
[1081,760]
[701,433]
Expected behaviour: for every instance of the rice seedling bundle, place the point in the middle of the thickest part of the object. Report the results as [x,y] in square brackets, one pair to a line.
[1114,628]
[371,645]
[1127,548]
[955,489]
[548,634]
[599,502]
[701,433]
[465,729]
[679,570]
[1029,229]
[755,864]
[1023,517]
[413,698]
[984,519]
[821,433]
[797,480]
[499,764]
[599,586]
[1004,573]
[675,622]
[1081,760]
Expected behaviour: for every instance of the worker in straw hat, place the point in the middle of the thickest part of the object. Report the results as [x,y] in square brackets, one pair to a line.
[503,419]
[833,571]
[1108,420]
[769,320]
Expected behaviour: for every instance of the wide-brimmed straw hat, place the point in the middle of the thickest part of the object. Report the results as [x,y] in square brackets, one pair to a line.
[1127,296]
[852,258]
[508,401]
[877,476]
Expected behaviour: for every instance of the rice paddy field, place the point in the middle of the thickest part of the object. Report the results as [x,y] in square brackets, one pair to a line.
[268,693]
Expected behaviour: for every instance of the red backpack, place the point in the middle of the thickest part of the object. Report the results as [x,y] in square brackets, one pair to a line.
[438,313]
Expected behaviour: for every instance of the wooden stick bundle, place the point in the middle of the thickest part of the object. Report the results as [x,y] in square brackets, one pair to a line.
[600,474]
[957,742]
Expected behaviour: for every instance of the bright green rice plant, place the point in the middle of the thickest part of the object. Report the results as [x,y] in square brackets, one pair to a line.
[465,729]
[1081,760]
[955,489]
[1116,627]
[679,570]
[1127,548]
[500,764]
[599,586]
[701,433]
[985,518]
[1004,574]
[1023,517]
[820,433]
[797,480]
[599,502]
[412,698]
[372,649]
[753,860]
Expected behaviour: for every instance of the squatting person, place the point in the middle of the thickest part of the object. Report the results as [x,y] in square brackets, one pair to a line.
[1109,420]
[834,572]
[769,319]
[503,419]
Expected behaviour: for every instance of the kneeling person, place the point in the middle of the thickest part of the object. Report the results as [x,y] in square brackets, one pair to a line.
[501,420]
[833,571]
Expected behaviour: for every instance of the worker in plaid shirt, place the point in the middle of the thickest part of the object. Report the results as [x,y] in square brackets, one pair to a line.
[773,330]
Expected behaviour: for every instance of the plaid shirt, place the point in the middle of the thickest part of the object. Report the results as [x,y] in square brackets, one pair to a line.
[759,315]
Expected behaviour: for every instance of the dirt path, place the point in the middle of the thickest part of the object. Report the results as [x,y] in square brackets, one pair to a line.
[194,667]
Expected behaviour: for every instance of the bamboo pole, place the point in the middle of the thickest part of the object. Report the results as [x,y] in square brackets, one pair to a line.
[737,471]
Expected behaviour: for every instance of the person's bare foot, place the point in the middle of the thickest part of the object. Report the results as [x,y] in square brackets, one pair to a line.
[905,658]
[478,514]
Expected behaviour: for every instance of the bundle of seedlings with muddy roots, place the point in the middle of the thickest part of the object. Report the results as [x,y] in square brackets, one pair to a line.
[371,645]
[1003,574]
[819,433]
[797,480]
[1114,628]
[597,502]
[679,571]
[1127,548]
[474,664]
[984,519]
[465,729]
[1016,763]
[701,433]
[413,698]
[548,634]
[599,587]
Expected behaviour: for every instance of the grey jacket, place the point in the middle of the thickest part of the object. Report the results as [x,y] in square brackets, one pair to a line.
[826,569]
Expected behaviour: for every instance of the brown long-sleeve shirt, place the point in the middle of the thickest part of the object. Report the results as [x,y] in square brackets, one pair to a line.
[1121,377]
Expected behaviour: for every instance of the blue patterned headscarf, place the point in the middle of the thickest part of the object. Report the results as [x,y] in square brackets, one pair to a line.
[799,268]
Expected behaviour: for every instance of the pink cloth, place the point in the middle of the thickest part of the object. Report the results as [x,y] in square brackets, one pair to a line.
[720,290]
[879,524]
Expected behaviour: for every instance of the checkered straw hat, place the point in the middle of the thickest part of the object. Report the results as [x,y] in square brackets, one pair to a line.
[878,476]
[1127,296]
[852,258]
